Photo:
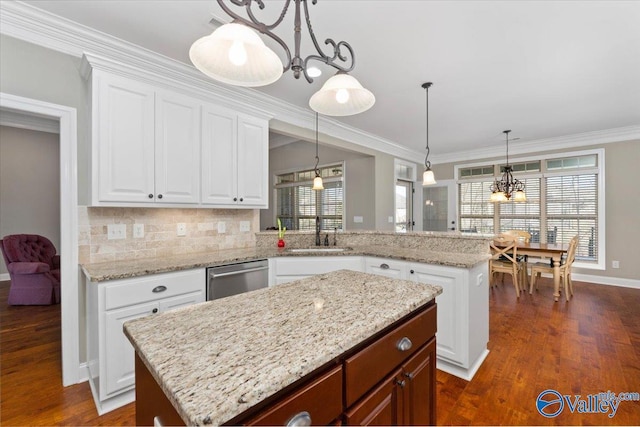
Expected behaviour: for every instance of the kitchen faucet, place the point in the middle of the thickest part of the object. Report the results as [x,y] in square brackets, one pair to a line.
[318,231]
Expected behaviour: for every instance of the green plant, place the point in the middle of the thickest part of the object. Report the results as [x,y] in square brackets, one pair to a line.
[281,230]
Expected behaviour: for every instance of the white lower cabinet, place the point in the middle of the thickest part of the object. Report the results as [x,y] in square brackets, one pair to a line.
[109,305]
[288,269]
[386,267]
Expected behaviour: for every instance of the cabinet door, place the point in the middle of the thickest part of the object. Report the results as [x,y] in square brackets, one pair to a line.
[386,267]
[123,141]
[177,144]
[381,407]
[419,390]
[219,156]
[181,301]
[253,162]
[119,369]
[452,332]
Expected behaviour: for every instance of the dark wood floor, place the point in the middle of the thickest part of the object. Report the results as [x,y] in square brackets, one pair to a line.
[586,346]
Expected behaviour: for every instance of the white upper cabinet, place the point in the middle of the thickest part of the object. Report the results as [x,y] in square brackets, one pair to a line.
[235,167]
[177,143]
[153,145]
[123,140]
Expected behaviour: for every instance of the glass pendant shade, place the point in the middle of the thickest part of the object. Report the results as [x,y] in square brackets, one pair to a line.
[428,178]
[498,197]
[235,54]
[519,196]
[317,183]
[342,95]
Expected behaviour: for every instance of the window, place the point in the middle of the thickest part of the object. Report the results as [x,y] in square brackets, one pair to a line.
[297,205]
[563,199]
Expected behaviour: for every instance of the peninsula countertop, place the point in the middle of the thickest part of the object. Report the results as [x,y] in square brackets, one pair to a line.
[216,359]
[100,272]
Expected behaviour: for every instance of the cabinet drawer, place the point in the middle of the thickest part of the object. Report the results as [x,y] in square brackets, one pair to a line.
[307,266]
[369,366]
[321,399]
[121,293]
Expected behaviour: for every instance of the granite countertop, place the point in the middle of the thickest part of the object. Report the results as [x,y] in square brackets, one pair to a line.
[216,359]
[100,272]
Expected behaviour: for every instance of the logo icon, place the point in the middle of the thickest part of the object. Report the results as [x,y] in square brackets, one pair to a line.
[549,403]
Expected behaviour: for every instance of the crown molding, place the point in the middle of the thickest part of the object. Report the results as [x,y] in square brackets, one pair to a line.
[103,51]
[584,139]
[29,122]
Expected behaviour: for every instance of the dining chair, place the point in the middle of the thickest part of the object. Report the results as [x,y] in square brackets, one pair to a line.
[504,253]
[565,269]
[525,237]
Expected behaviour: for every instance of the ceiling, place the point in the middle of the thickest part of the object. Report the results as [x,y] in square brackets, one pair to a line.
[543,69]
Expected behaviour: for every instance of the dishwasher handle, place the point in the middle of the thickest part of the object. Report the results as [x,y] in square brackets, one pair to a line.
[213,274]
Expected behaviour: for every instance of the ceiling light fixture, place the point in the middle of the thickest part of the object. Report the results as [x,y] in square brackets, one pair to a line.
[235,54]
[427,177]
[317,181]
[508,186]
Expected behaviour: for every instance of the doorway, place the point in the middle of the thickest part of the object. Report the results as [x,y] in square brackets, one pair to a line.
[404,206]
[72,372]
[439,206]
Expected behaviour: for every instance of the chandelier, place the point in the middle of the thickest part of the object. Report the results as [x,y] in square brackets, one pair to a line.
[508,186]
[235,54]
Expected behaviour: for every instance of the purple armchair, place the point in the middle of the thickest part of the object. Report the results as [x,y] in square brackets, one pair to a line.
[34,269]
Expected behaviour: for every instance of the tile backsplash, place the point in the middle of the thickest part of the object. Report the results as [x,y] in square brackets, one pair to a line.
[160,232]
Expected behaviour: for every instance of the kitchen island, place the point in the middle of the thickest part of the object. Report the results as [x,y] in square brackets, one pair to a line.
[236,359]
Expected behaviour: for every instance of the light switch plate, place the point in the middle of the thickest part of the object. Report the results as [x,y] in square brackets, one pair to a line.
[358,219]
[222,227]
[245,226]
[181,229]
[390,219]
[116,231]
[138,230]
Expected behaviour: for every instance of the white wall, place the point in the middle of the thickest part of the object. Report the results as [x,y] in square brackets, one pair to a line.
[29,184]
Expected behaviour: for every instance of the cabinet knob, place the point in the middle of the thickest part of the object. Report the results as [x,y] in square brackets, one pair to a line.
[300,419]
[409,375]
[150,196]
[404,344]
[155,310]
[401,383]
[411,271]
[241,199]
[159,196]
[384,266]
[235,199]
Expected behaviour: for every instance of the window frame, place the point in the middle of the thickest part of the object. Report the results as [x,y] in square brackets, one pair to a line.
[342,178]
[599,170]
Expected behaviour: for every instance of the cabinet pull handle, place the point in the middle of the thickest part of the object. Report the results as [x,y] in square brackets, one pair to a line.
[409,375]
[150,196]
[159,196]
[154,311]
[159,289]
[404,344]
[401,383]
[300,419]
[384,266]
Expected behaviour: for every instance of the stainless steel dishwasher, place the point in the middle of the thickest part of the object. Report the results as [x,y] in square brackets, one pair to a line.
[232,279]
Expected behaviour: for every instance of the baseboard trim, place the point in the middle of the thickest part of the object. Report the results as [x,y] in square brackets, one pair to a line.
[606,280]
[460,372]
[4,276]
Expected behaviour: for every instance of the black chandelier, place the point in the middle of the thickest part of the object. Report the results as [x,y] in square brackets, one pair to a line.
[508,186]
[235,54]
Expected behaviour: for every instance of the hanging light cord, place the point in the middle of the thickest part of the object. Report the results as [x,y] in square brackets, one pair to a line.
[317,158]
[507,133]
[427,163]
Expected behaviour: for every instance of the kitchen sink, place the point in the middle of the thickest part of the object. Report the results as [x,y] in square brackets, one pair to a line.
[317,250]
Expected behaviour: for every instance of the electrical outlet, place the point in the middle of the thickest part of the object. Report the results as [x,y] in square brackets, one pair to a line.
[615,264]
[358,219]
[182,229]
[245,226]
[390,219]
[222,227]
[138,230]
[116,231]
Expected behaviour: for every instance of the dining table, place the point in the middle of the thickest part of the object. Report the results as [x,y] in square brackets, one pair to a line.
[546,250]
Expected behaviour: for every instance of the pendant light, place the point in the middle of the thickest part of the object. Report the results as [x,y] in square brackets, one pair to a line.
[317,181]
[427,177]
[508,187]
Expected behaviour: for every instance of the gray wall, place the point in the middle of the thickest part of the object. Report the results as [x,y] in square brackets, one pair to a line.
[29,184]
[35,72]
[622,200]
[358,186]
